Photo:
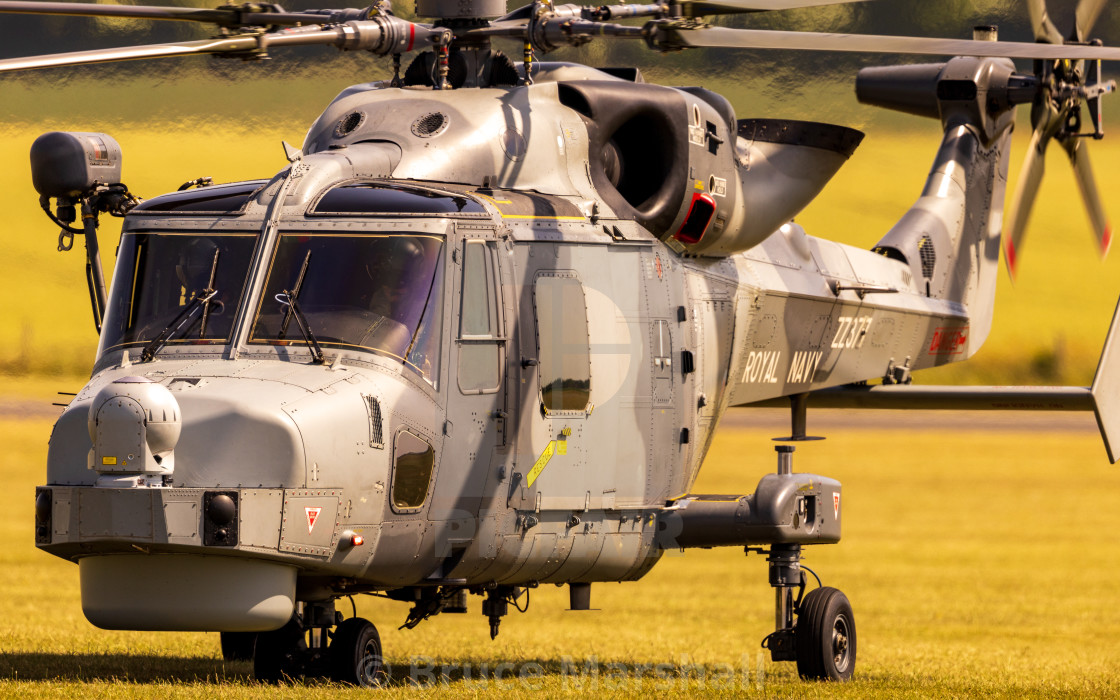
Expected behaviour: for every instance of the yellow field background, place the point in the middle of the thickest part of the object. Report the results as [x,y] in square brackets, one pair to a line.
[1049,326]
[978,563]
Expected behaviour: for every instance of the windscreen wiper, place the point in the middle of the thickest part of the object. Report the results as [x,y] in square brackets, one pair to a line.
[294,294]
[206,301]
[288,299]
[201,301]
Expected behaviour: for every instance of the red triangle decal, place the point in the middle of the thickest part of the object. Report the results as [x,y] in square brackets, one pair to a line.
[312,516]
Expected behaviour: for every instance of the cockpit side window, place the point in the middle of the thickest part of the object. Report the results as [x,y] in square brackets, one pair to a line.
[377,292]
[479,330]
[159,274]
[563,345]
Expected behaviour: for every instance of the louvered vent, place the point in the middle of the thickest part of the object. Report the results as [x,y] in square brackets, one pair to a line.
[429,124]
[375,428]
[347,124]
[928,255]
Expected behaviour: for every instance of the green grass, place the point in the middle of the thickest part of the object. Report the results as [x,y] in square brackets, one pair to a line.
[978,565]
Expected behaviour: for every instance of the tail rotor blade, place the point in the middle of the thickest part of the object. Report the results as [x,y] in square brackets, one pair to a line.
[1087,13]
[1018,213]
[1078,152]
[1044,30]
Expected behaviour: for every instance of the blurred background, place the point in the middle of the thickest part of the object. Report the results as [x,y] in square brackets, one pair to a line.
[178,119]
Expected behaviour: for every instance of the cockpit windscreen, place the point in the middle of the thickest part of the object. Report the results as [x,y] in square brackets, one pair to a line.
[378,292]
[162,278]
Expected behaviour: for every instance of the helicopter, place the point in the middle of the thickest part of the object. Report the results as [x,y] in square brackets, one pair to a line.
[479,333]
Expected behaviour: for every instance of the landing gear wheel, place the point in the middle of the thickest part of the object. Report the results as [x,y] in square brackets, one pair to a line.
[238,646]
[355,654]
[826,636]
[274,658]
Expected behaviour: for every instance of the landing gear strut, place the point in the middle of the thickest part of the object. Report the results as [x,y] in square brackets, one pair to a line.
[306,647]
[816,630]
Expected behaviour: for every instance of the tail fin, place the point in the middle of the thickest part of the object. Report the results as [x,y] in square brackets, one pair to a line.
[951,236]
[1106,390]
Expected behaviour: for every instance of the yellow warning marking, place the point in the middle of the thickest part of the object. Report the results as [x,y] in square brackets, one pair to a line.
[495,201]
[562,447]
[108,460]
[542,461]
[699,184]
[545,218]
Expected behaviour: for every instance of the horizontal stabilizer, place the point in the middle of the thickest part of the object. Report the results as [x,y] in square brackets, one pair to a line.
[1103,398]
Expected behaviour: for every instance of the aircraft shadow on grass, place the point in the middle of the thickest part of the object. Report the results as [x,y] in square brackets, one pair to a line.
[24,666]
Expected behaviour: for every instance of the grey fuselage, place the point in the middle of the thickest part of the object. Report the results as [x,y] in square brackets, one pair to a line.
[650,336]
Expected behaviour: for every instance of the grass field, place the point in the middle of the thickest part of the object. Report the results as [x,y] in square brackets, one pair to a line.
[1048,328]
[978,565]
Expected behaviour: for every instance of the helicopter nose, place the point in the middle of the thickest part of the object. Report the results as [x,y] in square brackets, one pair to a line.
[134,424]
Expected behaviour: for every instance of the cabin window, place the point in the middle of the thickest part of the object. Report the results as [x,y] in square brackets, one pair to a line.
[366,198]
[413,461]
[157,277]
[375,292]
[563,348]
[479,329]
[215,199]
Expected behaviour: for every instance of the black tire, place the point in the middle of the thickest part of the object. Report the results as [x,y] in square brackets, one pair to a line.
[238,646]
[355,654]
[826,636]
[274,658]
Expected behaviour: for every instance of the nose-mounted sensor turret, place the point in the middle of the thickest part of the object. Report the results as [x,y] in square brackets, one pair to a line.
[134,424]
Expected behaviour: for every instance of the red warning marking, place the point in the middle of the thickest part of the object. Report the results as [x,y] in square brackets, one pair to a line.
[657,263]
[948,341]
[1106,240]
[312,516]
[836,504]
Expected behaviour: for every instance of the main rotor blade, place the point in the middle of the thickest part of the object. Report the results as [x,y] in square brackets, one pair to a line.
[223,17]
[1078,152]
[1087,13]
[1019,211]
[758,5]
[668,36]
[382,35]
[230,45]
[1044,30]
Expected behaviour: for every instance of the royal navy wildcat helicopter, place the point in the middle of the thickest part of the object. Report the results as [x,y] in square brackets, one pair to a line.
[478,334]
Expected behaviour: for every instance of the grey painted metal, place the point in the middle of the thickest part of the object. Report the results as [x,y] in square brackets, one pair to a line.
[519,494]
[656,286]
[186,592]
[797,508]
[948,398]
